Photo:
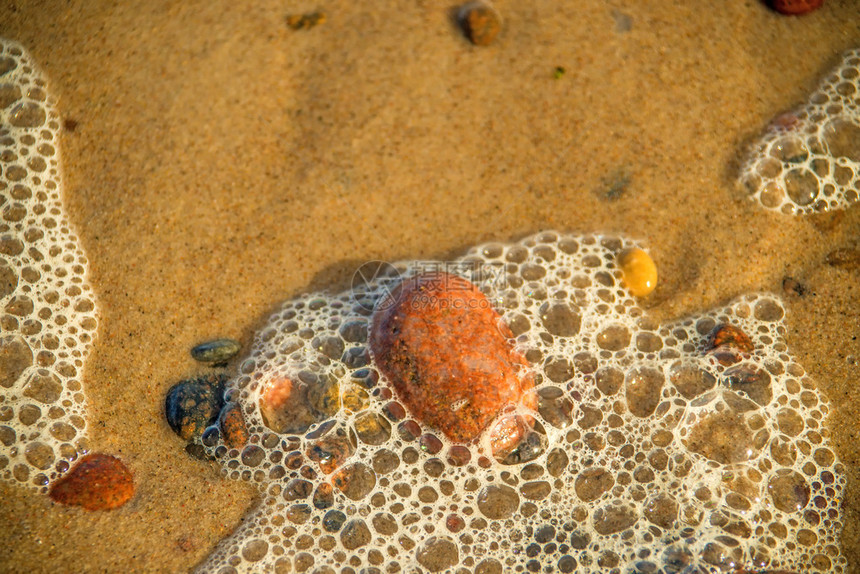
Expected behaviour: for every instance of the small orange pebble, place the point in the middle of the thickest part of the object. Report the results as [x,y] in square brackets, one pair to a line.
[231,421]
[480,22]
[97,482]
[638,271]
[728,343]
[795,7]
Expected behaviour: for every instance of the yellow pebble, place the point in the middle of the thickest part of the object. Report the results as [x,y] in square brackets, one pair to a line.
[638,271]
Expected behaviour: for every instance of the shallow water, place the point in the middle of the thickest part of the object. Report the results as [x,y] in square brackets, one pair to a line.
[222,162]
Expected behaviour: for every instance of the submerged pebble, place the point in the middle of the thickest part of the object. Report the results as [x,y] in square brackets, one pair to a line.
[217,351]
[638,271]
[646,453]
[447,354]
[480,21]
[192,405]
[728,344]
[795,7]
[96,482]
[231,423]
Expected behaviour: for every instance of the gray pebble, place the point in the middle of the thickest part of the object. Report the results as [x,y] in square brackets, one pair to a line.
[217,351]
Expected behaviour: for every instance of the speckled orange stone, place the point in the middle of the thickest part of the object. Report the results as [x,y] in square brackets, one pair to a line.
[231,421]
[448,355]
[96,482]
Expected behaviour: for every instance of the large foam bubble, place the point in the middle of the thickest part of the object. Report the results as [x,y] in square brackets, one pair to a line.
[808,160]
[47,309]
[654,446]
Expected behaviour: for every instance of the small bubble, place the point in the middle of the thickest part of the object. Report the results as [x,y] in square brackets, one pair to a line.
[614,517]
[27,115]
[643,390]
[498,501]
[590,484]
[559,319]
[613,338]
[355,534]
[788,491]
[255,550]
[802,186]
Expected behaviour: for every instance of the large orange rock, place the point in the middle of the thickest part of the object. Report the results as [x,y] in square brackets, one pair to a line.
[96,482]
[448,355]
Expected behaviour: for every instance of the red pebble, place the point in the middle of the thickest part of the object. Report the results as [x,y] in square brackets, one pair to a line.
[729,344]
[448,355]
[795,7]
[231,421]
[96,482]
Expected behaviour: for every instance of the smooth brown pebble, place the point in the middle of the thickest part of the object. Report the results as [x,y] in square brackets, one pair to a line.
[480,21]
[96,482]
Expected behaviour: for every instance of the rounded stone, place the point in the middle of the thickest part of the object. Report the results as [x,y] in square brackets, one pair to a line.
[217,351]
[231,423]
[191,406]
[448,355]
[96,482]
[480,22]
[638,271]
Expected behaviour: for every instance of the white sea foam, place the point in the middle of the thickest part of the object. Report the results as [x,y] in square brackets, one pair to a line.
[47,309]
[650,450]
[808,160]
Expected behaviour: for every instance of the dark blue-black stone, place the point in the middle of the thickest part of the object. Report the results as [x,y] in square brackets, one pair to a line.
[192,405]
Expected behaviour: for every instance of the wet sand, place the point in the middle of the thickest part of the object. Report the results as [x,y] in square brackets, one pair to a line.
[222,162]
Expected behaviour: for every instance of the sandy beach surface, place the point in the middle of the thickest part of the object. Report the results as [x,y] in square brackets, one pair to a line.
[222,162]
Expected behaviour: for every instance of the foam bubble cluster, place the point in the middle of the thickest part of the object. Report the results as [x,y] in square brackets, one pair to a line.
[808,160]
[654,446]
[47,309]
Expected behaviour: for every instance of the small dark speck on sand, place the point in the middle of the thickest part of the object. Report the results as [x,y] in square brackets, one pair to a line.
[792,286]
[305,21]
[623,22]
[614,185]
